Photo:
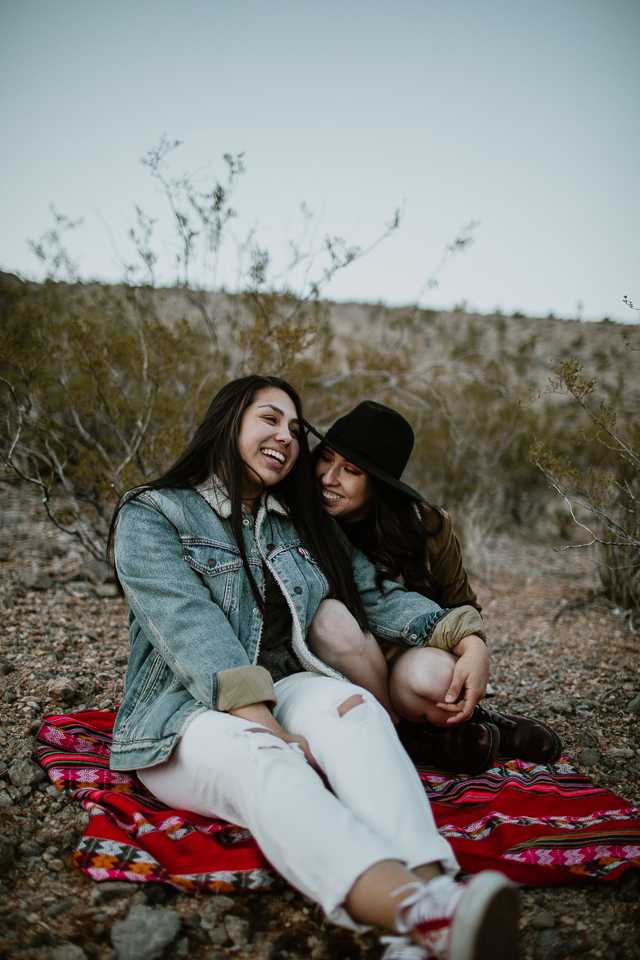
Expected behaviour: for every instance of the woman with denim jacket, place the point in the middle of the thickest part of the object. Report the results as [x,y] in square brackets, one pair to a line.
[430,693]
[226,712]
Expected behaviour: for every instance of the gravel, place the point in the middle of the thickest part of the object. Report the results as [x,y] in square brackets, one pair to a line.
[66,648]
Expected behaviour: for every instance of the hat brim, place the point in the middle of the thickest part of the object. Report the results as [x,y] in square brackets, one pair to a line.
[359,460]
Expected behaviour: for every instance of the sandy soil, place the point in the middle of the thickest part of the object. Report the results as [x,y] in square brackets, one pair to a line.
[575,665]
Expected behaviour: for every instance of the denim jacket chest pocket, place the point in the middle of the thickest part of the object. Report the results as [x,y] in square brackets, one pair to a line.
[220,565]
[300,576]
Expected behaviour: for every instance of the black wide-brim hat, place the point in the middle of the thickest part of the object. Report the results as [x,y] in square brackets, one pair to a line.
[376,439]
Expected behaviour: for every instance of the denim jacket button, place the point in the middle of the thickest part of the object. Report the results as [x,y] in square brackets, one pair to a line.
[256,611]
[297,589]
[245,523]
[212,562]
[414,636]
[270,546]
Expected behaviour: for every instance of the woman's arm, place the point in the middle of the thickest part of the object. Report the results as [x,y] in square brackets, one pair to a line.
[444,560]
[178,615]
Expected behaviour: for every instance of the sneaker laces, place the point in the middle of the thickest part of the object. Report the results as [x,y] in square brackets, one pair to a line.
[429,908]
[402,948]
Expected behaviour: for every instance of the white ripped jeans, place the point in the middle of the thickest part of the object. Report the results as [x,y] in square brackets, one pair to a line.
[321,842]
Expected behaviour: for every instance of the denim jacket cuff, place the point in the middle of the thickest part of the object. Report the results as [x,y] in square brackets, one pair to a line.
[241,686]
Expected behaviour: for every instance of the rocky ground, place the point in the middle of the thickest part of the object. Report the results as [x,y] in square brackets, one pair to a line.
[63,644]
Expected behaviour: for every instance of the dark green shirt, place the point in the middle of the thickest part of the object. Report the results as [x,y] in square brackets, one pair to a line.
[276,650]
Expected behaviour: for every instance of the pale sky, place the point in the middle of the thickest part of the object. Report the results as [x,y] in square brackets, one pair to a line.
[522,116]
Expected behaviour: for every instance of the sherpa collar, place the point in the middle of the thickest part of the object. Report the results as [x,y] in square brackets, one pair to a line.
[215,493]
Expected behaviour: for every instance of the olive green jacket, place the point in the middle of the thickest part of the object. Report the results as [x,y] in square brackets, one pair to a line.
[444,560]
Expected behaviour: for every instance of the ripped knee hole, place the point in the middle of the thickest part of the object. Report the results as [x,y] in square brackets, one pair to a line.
[349,704]
[265,746]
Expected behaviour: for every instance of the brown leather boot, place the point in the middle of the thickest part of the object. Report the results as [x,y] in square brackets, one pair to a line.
[465,748]
[522,738]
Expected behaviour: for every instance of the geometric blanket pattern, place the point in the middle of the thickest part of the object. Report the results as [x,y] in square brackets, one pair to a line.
[538,824]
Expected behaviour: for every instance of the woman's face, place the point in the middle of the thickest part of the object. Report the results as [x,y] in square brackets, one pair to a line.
[268,440]
[345,489]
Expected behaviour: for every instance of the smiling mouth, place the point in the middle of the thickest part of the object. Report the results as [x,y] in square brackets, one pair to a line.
[332,497]
[273,455]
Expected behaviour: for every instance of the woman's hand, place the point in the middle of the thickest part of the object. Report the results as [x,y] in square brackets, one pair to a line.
[260,713]
[304,746]
[469,681]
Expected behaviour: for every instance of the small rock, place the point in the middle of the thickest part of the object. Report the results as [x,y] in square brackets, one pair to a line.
[157,893]
[634,705]
[62,688]
[80,588]
[29,848]
[266,951]
[543,920]
[68,951]
[62,906]
[548,938]
[191,919]
[625,753]
[212,910]
[559,703]
[574,945]
[6,668]
[34,580]
[110,890]
[145,933]
[5,799]
[7,849]
[55,865]
[26,773]
[43,937]
[108,590]
[55,550]
[589,757]
[97,570]
[217,934]
[10,696]
[237,929]
[181,949]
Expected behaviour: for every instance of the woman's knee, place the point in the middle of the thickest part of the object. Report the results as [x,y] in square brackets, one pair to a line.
[334,630]
[423,672]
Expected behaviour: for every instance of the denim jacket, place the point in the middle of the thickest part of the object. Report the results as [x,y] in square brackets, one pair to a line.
[194,627]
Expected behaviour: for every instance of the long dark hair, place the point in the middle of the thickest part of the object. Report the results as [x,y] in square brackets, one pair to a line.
[394,535]
[214,449]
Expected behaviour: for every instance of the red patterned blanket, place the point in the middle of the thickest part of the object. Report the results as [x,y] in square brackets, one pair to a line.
[539,825]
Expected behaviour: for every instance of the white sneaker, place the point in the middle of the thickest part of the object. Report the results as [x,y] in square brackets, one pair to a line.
[457,921]
[402,948]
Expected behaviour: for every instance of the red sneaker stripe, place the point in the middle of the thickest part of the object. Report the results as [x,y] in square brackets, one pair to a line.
[426,926]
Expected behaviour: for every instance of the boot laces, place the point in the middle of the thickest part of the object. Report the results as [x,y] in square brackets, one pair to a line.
[492,716]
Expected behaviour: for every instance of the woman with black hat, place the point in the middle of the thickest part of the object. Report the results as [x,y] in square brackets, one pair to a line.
[432,691]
